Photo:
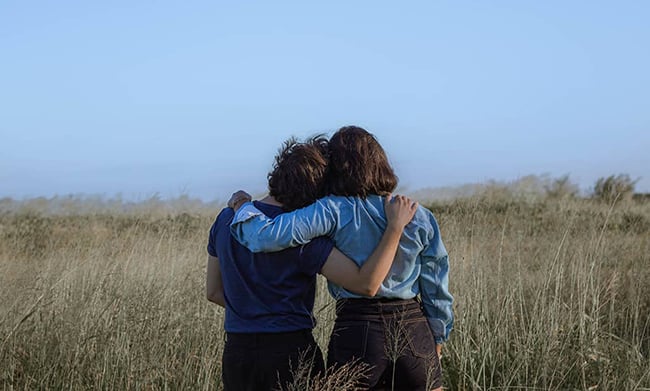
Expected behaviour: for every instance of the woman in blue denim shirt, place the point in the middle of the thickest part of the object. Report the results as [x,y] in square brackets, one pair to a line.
[398,332]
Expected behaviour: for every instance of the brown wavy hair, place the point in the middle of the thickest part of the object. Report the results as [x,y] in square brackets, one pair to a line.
[358,165]
[299,172]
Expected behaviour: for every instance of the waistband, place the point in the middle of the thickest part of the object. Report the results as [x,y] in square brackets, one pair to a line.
[265,339]
[378,308]
[383,300]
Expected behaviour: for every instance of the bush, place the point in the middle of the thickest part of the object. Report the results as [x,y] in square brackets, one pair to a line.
[561,187]
[614,187]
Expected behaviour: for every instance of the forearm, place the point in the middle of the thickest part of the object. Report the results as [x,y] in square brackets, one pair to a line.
[262,234]
[437,304]
[374,270]
[259,233]
[440,319]
[217,298]
[214,283]
[434,285]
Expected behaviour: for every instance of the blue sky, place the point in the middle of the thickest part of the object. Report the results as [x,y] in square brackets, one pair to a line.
[195,97]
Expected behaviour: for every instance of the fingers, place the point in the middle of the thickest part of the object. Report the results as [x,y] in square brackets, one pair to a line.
[400,210]
[409,205]
[237,198]
[388,199]
[404,200]
[399,201]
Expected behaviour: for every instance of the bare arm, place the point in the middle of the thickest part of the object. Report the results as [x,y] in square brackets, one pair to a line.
[367,279]
[214,283]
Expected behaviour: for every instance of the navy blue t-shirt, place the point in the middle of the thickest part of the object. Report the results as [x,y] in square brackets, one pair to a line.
[267,292]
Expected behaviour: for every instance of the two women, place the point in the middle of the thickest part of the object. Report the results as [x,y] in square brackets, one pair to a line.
[399,332]
[269,298]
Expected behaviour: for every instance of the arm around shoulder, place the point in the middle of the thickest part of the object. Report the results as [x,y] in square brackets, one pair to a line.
[259,233]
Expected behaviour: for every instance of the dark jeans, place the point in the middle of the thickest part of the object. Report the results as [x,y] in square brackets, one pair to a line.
[393,337]
[267,361]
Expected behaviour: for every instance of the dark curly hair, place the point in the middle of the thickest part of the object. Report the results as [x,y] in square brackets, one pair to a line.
[299,172]
[358,165]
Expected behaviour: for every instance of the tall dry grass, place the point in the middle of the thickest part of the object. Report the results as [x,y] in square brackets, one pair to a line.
[106,302]
[550,294]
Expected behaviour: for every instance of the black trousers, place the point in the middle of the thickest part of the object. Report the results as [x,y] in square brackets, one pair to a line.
[391,336]
[267,361]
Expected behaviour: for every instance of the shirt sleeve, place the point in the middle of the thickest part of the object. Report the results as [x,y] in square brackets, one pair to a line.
[434,286]
[221,222]
[259,233]
[314,255]
[212,239]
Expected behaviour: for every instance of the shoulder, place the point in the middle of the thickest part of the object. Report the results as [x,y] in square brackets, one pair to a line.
[424,215]
[220,226]
[332,204]
[268,209]
[225,216]
[425,220]
[334,201]
[223,220]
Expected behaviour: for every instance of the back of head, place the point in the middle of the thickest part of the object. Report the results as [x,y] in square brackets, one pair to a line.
[299,171]
[358,164]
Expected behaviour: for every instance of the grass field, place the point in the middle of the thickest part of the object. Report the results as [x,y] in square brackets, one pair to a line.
[550,294]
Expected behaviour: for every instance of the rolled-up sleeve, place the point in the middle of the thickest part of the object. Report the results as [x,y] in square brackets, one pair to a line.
[259,233]
[434,286]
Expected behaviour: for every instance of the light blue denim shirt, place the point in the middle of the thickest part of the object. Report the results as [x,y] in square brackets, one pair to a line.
[356,225]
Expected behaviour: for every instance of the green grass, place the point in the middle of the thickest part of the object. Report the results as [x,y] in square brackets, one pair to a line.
[549,295]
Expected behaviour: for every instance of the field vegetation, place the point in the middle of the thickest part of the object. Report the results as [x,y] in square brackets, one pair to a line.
[552,293]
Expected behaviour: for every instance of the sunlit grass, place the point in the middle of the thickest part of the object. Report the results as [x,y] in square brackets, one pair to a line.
[549,295]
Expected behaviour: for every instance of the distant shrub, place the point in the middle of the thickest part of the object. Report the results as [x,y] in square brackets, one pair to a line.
[614,187]
[561,187]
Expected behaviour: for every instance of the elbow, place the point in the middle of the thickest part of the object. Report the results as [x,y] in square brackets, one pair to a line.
[369,290]
[216,299]
[372,291]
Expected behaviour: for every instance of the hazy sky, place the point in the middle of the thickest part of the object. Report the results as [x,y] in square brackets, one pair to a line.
[138,97]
